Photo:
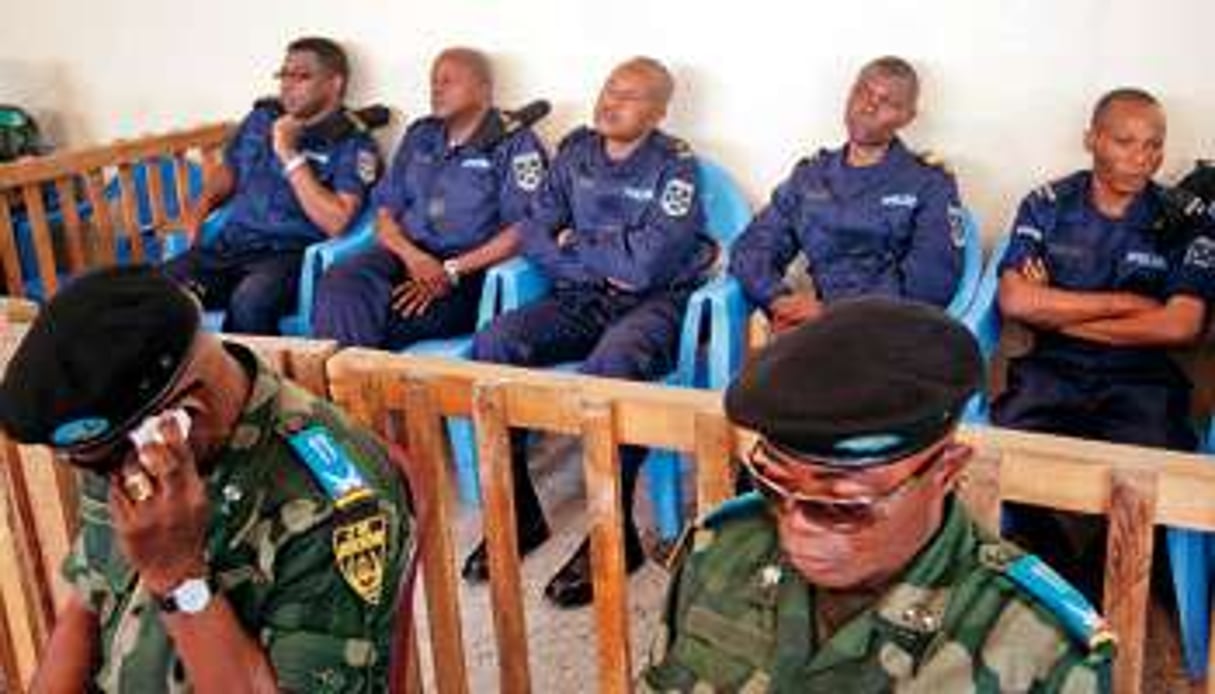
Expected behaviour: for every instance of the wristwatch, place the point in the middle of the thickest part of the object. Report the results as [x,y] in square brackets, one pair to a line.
[452,268]
[191,596]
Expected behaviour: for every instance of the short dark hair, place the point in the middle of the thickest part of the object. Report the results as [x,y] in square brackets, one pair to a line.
[328,53]
[471,58]
[1134,95]
[898,68]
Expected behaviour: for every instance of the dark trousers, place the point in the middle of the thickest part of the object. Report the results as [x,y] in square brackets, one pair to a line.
[617,334]
[1059,398]
[254,287]
[354,305]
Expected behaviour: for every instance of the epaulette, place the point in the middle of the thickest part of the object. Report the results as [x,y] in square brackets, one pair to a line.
[741,506]
[680,147]
[932,159]
[360,528]
[575,136]
[1079,619]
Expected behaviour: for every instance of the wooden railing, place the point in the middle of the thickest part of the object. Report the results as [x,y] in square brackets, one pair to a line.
[96,202]
[404,398]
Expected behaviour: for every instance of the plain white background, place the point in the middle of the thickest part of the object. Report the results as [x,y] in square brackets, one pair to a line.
[1007,83]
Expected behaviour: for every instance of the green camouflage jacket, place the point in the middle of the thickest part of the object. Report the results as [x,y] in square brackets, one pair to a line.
[271,549]
[739,619]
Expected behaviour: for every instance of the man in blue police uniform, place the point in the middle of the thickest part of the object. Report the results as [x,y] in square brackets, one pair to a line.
[291,176]
[446,211]
[870,217]
[618,227]
[1107,281]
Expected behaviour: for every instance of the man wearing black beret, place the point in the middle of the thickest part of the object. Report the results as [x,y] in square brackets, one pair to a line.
[854,568]
[237,533]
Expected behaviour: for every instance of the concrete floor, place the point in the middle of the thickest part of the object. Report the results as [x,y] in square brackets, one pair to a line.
[562,642]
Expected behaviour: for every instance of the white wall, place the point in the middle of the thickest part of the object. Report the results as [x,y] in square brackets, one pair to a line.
[1008,83]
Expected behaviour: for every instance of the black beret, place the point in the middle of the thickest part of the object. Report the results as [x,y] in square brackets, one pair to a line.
[98,358]
[871,381]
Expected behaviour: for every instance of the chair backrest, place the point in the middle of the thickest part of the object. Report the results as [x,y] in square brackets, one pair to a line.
[983,314]
[726,210]
[972,265]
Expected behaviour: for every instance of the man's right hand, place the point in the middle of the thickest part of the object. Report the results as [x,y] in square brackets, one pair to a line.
[425,269]
[791,310]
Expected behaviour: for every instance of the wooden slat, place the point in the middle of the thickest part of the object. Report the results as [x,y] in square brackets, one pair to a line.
[302,360]
[980,488]
[8,250]
[70,163]
[428,453]
[1128,568]
[73,235]
[602,469]
[44,246]
[714,473]
[23,531]
[129,206]
[94,187]
[10,672]
[498,489]
[156,192]
[181,185]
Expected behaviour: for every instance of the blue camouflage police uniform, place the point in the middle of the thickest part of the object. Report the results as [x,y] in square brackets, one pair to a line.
[1070,386]
[252,269]
[448,200]
[620,285]
[893,229]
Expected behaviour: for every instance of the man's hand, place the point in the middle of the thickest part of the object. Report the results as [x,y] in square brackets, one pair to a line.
[565,238]
[284,137]
[791,310]
[163,536]
[411,298]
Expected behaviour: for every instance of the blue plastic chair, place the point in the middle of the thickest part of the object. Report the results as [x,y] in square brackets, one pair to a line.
[730,310]
[1192,561]
[982,317]
[517,282]
[318,258]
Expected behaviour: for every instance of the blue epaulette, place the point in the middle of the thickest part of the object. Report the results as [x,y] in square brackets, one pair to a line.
[574,137]
[1079,618]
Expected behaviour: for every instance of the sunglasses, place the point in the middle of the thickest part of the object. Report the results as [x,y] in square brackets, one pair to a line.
[845,515]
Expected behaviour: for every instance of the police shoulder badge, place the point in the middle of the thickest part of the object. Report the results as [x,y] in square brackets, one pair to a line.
[677,197]
[368,166]
[957,225]
[528,169]
[360,532]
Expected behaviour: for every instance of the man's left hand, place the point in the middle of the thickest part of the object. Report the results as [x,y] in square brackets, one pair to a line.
[163,536]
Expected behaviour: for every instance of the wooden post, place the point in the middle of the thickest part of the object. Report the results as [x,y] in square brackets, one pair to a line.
[714,455]
[980,487]
[31,569]
[8,249]
[604,511]
[156,192]
[428,456]
[104,241]
[1132,516]
[501,541]
[129,207]
[44,245]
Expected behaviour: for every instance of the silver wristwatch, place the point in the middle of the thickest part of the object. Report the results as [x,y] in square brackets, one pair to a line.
[191,596]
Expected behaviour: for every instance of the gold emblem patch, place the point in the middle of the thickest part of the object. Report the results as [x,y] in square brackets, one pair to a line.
[359,546]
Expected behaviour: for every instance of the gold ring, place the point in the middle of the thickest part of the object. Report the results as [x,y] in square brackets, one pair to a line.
[138,486]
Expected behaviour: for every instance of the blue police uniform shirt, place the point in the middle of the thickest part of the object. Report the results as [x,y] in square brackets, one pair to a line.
[1084,250]
[265,212]
[894,228]
[449,200]
[636,222]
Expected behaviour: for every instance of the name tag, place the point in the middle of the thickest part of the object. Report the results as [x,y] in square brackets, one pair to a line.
[902,200]
[478,163]
[638,194]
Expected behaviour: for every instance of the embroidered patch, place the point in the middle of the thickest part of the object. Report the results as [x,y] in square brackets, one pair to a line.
[677,197]
[957,226]
[528,169]
[367,166]
[1201,253]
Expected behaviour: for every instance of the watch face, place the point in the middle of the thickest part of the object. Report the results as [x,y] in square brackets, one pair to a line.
[192,596]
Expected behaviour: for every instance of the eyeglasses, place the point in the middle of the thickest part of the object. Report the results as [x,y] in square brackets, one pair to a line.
[848,515]
[285,75]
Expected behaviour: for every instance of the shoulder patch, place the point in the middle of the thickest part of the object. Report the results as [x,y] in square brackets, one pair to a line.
[678,196]
[1080,620]
[368,166]
[360,531]
[528,170]
[1046,192]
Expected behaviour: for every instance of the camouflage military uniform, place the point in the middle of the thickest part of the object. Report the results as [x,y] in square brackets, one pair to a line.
[271,554]
[738,619]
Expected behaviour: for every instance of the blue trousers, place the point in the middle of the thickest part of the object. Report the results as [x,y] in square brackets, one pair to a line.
[254,287]
[354,305]
[617,334]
